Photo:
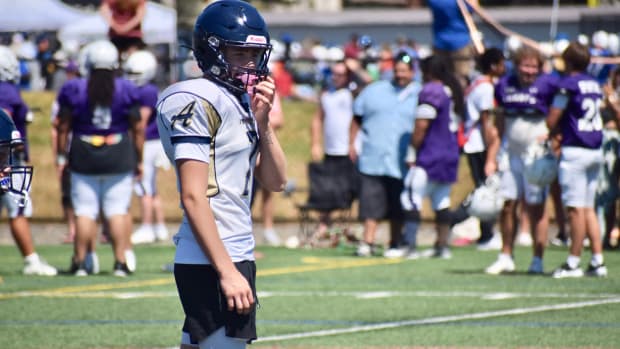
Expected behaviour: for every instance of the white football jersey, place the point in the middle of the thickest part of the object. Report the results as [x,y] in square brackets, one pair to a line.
[200,120]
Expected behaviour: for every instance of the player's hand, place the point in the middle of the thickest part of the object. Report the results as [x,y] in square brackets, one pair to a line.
[490,167]
[316,152]
[238,293]
[262,100]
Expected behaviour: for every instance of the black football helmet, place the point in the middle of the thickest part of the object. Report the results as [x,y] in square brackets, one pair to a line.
[230,23]
[14,177]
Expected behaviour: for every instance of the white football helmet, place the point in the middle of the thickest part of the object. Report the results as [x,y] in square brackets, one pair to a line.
[485,202]
[100,54]
[541,165]
[140,67]
[9,65]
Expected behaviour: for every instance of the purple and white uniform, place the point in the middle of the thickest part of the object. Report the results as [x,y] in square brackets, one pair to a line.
[102,156]
[580,97]
[438,156]
[153,155]
[11,101]
[524,109]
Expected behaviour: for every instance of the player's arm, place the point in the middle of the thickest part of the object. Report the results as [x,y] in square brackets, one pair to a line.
[271,168]
[63,128]
[193,179]
[139,116]
[353,130]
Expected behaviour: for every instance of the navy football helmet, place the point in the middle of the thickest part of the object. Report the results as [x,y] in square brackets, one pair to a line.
[231,23]
[14,177]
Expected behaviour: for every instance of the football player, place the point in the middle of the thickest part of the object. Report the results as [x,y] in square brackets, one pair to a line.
[216,131]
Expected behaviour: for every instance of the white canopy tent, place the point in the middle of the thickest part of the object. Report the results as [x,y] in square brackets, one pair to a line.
[36,15]
[159,26]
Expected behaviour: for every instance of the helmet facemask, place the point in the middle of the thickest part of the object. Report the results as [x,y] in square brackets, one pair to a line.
[15,178]
[237,78]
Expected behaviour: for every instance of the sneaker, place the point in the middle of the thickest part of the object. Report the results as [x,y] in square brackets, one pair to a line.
[565,271]
[524,239]
[91,263]
[494,244]
[437,252]
[398,252]
[561,240]
[363,250]
[121,269]
[144,235]
[77,269]
[271,237]
[161,232]
[130,260]
[40,268]
[536,267]
[412,255]
[503,264]
[597,271]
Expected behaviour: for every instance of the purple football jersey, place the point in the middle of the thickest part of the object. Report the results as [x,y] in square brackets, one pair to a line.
[96,120]
[148,98]
[11,101]
[581,122]
[439,152]
[527,101]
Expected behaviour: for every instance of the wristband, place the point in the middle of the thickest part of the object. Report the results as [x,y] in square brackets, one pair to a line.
[61,160]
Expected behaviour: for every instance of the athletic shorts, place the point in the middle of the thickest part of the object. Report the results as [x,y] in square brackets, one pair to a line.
[11,202]
[578,175]
[110,193]
[205,305]
[380,197]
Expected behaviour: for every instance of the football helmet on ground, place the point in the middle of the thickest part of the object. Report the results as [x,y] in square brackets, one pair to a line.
[140,67]
[227,24]
[15,178]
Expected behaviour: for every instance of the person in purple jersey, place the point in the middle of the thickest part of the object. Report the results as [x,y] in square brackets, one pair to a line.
[15,116]
[433,155]
[102,112]
[575,115]
[523,100]
[140,68]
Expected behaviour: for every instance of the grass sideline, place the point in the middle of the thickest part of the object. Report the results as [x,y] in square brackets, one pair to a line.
[371,302]
[294,137]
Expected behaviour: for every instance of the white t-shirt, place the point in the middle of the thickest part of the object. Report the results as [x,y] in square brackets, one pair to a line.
[480,97]
[200,120]
[338,113]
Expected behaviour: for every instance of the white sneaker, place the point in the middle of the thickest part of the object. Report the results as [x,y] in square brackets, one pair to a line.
[39,267]
[91,263]
[536,267]
[412,255]
[364,250]
[503,264]
[597,271]
[524,239]
[494,244]
[565,271]
[144,235]
[130,260]
[441,253]
[398,252]
[271,237]
[161,232]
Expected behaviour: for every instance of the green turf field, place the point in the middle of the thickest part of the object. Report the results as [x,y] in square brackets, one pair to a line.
[320,299]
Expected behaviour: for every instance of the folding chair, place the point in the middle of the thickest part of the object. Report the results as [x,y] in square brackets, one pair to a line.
[332,188]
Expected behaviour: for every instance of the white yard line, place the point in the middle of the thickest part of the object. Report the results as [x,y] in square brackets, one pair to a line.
[438,320]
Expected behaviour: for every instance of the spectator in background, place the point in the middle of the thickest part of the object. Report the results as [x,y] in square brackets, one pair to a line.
[103,113]
[433,158]
[480,103]
[140,68]
[329,133]
[384,112]
[124,17]
[575,114]
[451,37]
[523,101]
[64,177]
[13,121]
[45,57]
[352,47]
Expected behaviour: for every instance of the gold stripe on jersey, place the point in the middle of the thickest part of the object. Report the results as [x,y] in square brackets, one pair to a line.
[213,121]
